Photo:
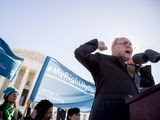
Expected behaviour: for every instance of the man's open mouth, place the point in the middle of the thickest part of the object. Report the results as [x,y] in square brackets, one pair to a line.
[128,51]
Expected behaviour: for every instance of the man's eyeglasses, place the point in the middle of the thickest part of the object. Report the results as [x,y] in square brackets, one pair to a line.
[124,43]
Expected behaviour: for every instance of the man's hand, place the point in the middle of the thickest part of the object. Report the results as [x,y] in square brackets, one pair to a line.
[29,103]
[101,46]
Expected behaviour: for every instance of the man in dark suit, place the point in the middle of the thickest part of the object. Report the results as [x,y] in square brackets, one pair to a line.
[115,77]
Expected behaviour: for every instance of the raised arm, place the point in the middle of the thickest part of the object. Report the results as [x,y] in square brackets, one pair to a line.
[84,56]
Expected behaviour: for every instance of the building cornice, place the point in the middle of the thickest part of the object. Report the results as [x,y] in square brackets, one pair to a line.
[30,54]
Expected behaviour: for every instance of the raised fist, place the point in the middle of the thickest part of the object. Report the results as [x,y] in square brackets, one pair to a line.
[102,46]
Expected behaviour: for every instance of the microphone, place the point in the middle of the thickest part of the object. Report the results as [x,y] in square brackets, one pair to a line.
[140,58]
[153,55]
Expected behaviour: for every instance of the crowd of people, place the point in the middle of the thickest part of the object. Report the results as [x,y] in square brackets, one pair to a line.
[42,111]
[116,76]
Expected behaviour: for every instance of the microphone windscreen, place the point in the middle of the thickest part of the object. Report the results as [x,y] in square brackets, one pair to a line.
[140,58]
[153,55]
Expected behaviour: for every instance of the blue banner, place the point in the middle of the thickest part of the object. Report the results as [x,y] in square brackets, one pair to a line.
[63,87]
[9,62]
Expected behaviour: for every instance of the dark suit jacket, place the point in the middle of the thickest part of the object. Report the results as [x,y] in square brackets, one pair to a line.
[111,77]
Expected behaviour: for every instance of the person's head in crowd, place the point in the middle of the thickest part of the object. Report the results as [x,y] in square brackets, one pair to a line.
[8,110]
[73,114]
[10,95]
[122,47]
[44,110]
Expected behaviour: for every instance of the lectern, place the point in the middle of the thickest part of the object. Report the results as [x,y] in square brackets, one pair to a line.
[146,105]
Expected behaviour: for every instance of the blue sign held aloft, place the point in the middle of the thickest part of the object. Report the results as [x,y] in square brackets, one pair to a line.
[63,87]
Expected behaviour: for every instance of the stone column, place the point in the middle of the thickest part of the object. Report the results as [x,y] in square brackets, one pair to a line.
[23,81]
[4,85]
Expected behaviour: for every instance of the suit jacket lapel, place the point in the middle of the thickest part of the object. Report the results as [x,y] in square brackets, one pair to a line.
[123,65]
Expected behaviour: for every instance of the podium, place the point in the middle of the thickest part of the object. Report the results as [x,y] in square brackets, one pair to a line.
[146,105]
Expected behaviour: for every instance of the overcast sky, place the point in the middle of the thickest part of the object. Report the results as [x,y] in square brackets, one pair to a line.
[57,27]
